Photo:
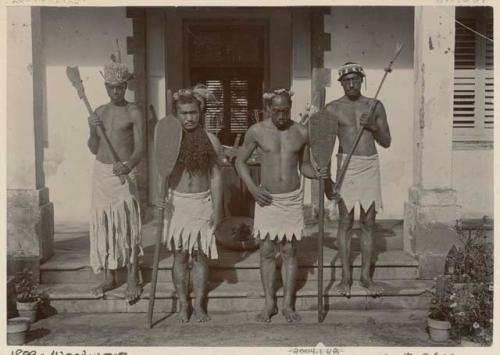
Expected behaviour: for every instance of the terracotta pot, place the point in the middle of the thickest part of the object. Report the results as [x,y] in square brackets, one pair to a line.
[17,329]
[28,310]
[439,330]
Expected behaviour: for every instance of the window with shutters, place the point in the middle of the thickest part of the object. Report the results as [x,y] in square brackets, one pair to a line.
[473,85]
[230,61]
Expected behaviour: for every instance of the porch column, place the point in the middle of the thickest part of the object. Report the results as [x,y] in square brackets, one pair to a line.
[432,210]
[30,229]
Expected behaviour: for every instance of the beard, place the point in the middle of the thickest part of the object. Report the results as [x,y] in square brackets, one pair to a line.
[197,154]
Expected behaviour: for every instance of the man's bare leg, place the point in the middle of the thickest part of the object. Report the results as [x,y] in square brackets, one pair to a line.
[180,276]
[346,220]
[200,279]
[108,283]
[267,275]
[367,222]
[134,287]
[288,252]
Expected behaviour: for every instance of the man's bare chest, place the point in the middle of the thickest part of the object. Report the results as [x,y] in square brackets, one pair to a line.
[116,120]
[281,142]
[349,114]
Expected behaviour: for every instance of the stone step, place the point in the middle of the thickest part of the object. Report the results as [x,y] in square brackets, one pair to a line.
[244,296]
[235,266]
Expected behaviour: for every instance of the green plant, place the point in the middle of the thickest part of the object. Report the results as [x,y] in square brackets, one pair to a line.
[464,295]
[472,260]
[26,288]
[472,311]
[440,303]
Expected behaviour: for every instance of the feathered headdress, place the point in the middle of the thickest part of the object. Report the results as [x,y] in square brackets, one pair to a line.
[116,72]
[271,94]
[200,92]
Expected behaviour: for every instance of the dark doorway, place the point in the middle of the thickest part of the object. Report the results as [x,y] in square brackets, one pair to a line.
[231,60]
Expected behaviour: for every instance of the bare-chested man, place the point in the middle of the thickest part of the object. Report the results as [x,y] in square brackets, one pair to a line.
[115,223]
[279,220]
[194,202]
[362,179]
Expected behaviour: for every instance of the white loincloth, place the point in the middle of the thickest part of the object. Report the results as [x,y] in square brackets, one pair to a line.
[361,182]
[188,220]
[115,213]
[283,218]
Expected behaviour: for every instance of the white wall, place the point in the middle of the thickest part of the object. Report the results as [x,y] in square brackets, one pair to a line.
[473,181]
[368,35]
[83,37]
[86,37]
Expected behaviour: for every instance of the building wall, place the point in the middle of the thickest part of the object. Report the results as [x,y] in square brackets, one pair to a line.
[473,181]
[86,37]
[83,37]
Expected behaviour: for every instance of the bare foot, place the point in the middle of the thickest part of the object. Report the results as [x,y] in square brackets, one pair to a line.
[200,315]
[106,285]
[344,288]
[183,315]
[290,315]
[374,289]
[266,314]
[134,288]
[133,292]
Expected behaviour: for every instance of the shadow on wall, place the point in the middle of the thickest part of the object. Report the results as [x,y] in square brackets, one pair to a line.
[368,35]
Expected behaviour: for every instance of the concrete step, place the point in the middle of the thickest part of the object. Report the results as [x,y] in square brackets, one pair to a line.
[244,296]
[388,235]
[234,266]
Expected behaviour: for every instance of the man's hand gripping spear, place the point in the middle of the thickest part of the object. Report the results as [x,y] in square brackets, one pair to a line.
[333,190]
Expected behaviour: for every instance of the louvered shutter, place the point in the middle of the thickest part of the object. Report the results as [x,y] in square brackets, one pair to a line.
[214,115]
[473,79]
[239,105]
[488,101]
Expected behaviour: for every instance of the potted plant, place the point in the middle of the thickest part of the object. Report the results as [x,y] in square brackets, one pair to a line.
[469,285]
[27,295]
[17,329]
[438,320]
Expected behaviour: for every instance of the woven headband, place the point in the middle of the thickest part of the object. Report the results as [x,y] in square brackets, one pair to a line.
[350,68]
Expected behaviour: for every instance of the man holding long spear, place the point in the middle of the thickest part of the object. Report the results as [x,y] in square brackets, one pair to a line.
[357,115]
[117,141]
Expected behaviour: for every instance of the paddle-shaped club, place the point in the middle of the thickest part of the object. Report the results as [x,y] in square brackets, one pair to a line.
[167,143]
[322,133]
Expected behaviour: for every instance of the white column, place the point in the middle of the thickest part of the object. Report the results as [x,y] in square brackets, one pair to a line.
[431,211]
[29,211]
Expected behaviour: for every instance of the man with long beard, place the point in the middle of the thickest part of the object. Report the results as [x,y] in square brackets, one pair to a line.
[279,219]
[193,203]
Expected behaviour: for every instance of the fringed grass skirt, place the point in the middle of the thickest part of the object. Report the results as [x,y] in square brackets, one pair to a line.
[361,182]
[115,221]
[283,218]
[187,224]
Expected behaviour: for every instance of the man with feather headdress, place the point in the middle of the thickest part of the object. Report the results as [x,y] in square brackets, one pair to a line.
[193,203]
[115,223]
